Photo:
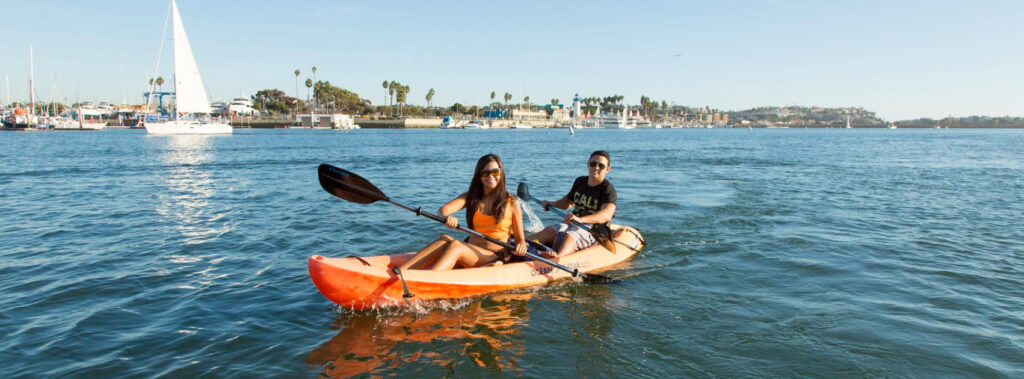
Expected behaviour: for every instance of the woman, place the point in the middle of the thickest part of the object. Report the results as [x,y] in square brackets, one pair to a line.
[490,210]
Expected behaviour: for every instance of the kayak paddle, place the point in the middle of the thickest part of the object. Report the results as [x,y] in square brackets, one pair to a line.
[601,232]
[349,186]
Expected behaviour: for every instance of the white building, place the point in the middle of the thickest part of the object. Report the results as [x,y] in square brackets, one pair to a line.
[325,121]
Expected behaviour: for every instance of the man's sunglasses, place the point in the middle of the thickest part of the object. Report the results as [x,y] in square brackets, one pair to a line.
[496,172]
[599,165]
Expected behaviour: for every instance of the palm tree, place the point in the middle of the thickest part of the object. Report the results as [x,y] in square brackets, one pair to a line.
[402,91]
[508,96]
[309,84]
[527,101]
[314,91]
[297,72]
[385,85]
[430,97]
[554,101]
[392,88]
[160,82]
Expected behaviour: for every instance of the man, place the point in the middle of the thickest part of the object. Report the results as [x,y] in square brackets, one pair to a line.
[593,200]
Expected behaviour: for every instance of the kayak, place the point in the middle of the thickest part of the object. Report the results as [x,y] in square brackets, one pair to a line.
[369,282]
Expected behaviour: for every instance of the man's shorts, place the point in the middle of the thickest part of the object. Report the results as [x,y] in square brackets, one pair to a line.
[582,237]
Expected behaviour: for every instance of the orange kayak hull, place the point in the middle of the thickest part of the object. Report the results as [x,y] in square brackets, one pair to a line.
[369,282]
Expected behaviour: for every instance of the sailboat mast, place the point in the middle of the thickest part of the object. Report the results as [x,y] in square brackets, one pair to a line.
[174,99]
[31,95]
[159,53]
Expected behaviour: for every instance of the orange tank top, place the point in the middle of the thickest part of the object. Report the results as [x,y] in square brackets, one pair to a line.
[491,227]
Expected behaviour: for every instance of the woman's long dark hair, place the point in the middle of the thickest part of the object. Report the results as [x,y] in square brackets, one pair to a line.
[476,190]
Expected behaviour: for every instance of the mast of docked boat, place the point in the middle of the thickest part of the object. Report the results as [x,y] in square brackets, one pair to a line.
[31,94]
[159,53]
[78,100]
[174,47]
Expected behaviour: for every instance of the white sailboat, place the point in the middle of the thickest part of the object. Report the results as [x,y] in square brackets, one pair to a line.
[191,106]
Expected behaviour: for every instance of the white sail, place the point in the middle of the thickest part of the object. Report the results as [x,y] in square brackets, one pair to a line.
[189,93]
[188,85]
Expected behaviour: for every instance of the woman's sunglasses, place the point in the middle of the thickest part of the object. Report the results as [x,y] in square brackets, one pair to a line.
[495,172]
[599,165]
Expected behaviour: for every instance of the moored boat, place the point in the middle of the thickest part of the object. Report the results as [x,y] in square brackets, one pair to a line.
[475,124]
[192,107]
[369,282]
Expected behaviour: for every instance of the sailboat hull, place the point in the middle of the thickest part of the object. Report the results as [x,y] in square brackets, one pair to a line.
[187,127]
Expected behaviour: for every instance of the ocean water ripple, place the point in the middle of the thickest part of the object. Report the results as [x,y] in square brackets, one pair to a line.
[770,253]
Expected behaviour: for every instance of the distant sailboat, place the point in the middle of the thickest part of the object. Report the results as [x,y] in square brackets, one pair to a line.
[189,93]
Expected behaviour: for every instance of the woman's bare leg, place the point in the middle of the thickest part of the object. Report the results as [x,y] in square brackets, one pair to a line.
[464,255]
[428,254]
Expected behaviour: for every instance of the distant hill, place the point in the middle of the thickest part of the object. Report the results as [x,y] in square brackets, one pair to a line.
[800,116]
[966,122]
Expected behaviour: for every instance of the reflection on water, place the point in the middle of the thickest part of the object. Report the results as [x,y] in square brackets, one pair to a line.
[485,333]
[186,198]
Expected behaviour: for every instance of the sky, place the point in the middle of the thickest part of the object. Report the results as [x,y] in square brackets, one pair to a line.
[901,59]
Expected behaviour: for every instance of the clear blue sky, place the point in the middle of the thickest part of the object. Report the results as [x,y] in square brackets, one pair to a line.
[902,59]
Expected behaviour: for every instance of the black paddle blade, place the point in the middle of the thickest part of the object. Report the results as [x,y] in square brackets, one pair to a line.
[523,191]
[347,185]
[603,234]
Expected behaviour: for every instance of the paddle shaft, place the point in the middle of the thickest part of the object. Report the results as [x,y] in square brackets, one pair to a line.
[559,212]
[421,212]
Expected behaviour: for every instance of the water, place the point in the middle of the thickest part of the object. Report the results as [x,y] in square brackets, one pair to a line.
[771,253]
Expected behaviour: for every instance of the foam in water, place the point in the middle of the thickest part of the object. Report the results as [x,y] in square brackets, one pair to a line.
[534,224]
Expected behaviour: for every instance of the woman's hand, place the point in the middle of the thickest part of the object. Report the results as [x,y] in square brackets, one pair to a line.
[451,222]
[520,249]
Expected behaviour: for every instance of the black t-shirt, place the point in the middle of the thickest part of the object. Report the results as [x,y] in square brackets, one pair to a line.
[588,200]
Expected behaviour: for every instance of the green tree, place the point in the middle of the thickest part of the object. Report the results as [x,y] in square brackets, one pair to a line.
[385,85]
[160,83]
[297,72]
[314,93]
[392,88]
[430,97]
[340,99]
[272,101]
[401,93]
[554,101]
[309,84]
[508,96]
[527,100]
